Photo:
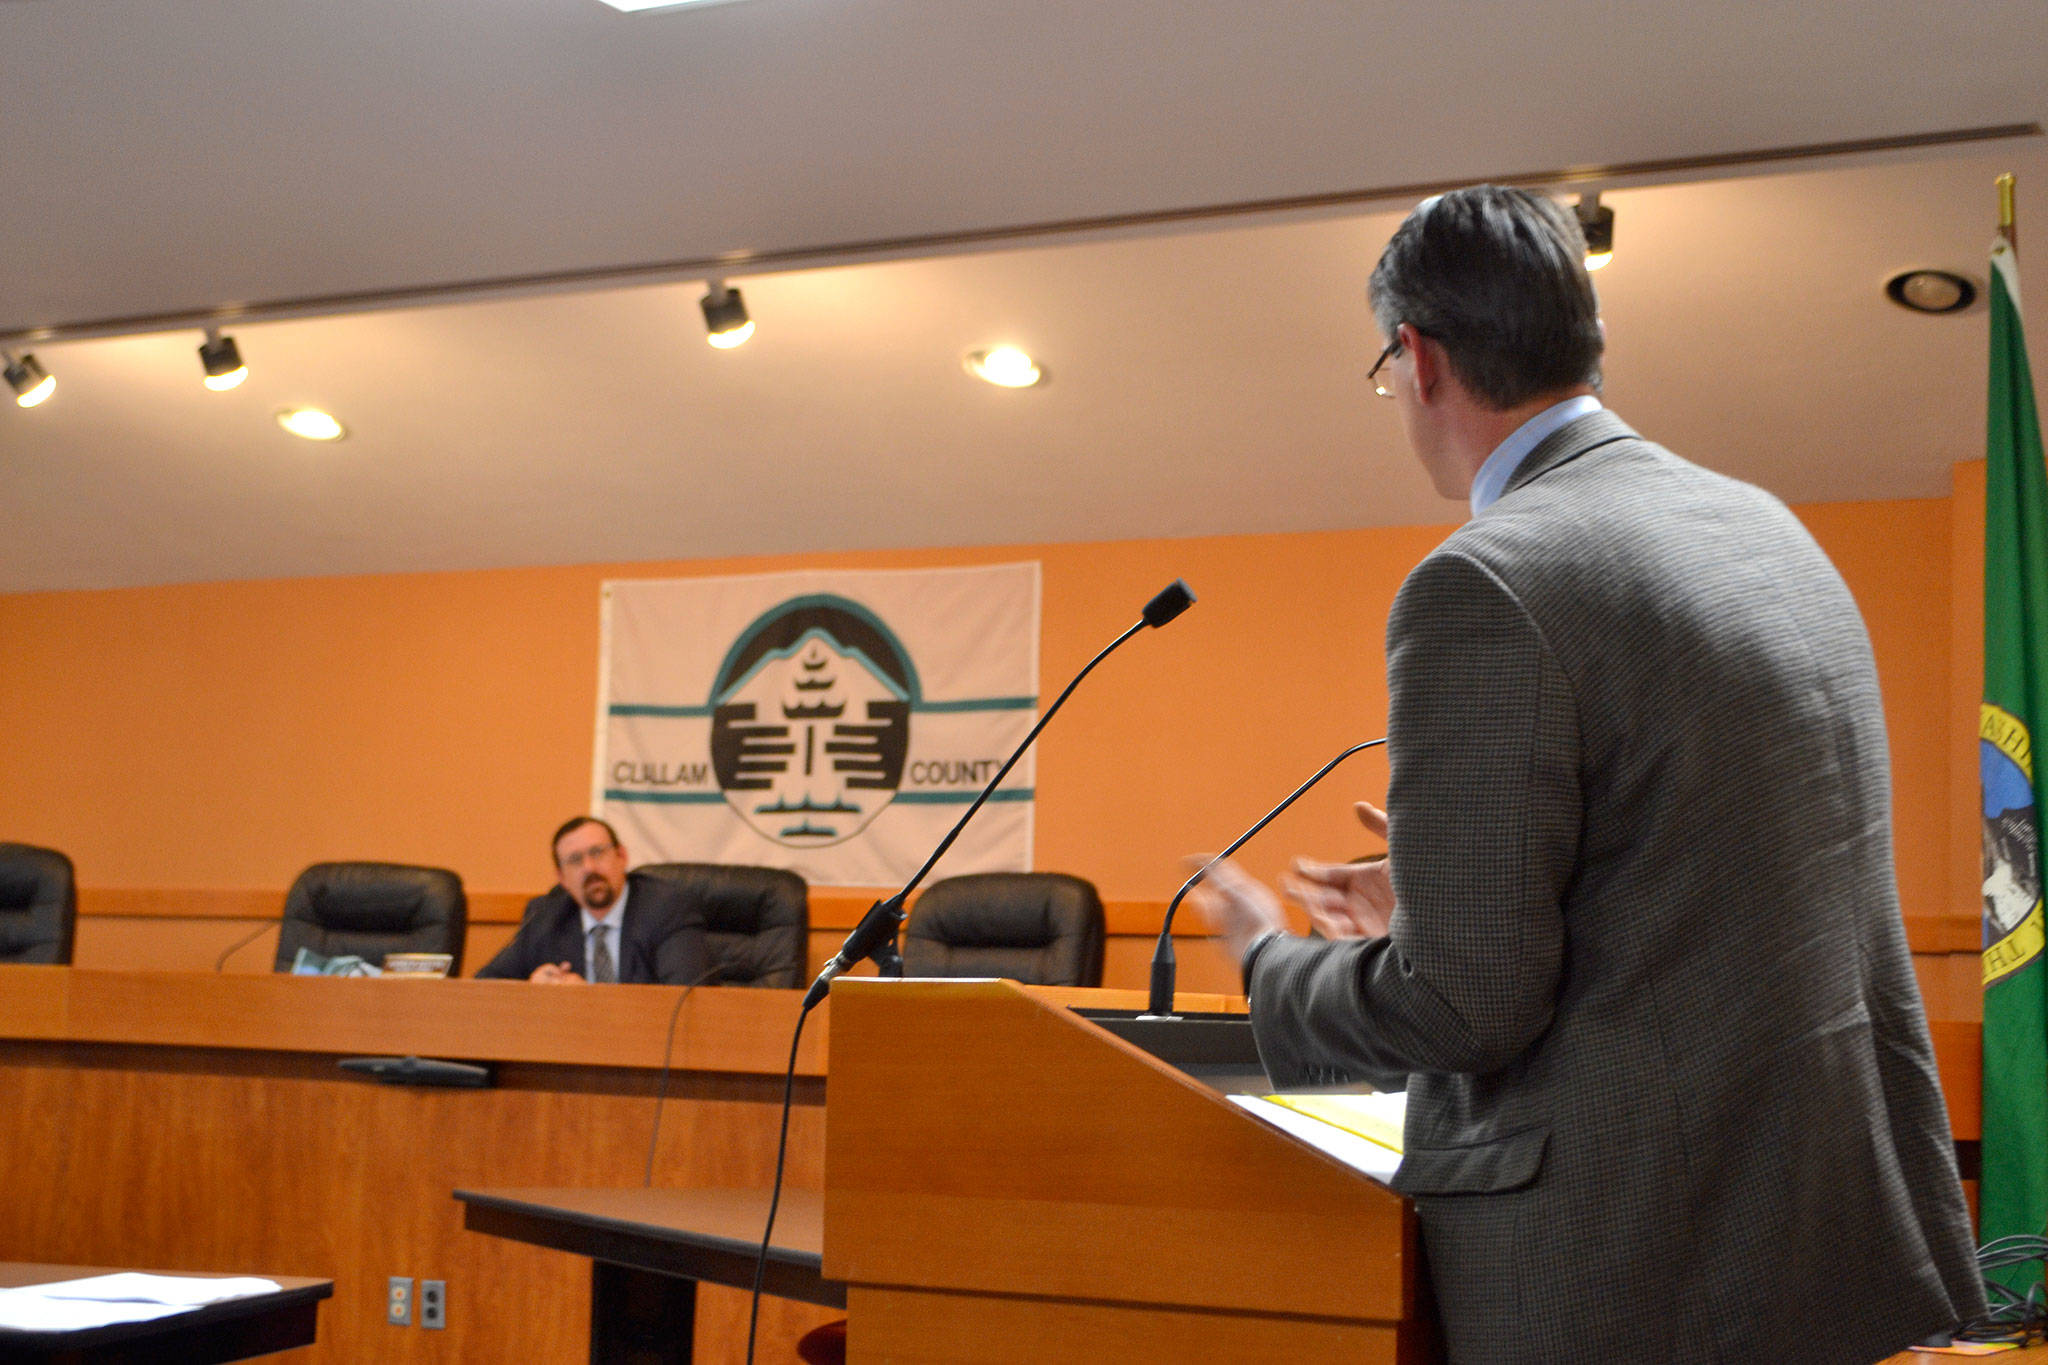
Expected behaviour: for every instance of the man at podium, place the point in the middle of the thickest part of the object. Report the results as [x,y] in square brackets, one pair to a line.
[1637,940]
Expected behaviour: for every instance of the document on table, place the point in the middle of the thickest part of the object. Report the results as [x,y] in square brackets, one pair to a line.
[1380,1116]
[128,1296]
[1359,1153]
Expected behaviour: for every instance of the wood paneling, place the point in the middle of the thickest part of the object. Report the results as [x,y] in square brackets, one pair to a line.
[215,1133]
[1959,1053]
[1944,934]
[831,907]
[164,902]
[483,944]
[340,1178]
[719,1029]
[1951,984]
[188,930]
[198,1122]
[36,1001]
[907,1327]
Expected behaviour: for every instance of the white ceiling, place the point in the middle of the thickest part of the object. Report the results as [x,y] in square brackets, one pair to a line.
[175,155]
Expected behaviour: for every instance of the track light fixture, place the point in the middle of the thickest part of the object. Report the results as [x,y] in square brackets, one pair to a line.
[725,315]
[29,380]
[223,361]
[1596,220]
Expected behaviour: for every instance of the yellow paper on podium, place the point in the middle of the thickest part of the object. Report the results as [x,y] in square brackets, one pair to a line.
[1376,1118]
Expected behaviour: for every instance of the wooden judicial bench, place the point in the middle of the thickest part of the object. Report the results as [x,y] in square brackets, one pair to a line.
[194,1122]
[1004,1181]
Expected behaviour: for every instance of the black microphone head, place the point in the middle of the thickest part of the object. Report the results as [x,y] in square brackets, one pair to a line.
[1173,599]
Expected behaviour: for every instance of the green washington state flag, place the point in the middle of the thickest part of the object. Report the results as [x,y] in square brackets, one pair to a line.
[2013,1197]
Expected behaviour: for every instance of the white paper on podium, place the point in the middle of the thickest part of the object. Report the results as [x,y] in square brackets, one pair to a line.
[24,1310]
[1354,1151]
[128,1296]
[178,1291]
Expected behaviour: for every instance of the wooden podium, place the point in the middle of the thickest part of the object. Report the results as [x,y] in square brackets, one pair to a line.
[1006,1181]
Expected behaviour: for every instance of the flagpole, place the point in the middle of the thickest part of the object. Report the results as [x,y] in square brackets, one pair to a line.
[2006,226]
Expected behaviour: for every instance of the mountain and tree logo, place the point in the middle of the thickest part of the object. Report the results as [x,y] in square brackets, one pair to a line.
[810,720]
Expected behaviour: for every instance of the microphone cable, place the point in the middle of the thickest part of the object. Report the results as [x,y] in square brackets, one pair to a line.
[2014,1317]
[242,943]
[775,1191]
[667,1053]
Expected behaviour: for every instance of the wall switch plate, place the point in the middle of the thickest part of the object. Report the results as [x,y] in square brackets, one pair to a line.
[433,1303]
[398,1301]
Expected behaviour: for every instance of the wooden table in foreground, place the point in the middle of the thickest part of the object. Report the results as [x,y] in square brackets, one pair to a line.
[649,1248]
[235,1330]
[195,1122]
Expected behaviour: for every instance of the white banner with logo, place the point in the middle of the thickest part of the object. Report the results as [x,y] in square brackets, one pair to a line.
[836,723]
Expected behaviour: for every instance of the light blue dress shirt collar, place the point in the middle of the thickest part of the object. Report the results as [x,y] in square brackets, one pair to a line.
[614,919]
[1492,479]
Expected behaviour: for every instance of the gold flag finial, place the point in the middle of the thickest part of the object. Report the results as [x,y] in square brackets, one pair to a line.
[2007,228]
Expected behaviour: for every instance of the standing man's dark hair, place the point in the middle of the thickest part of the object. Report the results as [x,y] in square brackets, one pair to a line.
[570,826]
[1498,277]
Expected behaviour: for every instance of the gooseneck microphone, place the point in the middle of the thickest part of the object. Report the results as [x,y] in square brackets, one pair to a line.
[875,935]
[1164,969]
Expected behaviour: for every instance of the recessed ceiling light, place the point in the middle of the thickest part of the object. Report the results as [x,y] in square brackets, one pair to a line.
[312,424]
[1931,291]
[1005,366]
[638,6]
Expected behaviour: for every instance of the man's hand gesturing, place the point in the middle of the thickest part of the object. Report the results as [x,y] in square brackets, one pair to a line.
[1347,900]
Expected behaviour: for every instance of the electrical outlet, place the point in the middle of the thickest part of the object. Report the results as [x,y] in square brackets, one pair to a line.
[433,1303]
[398,1301]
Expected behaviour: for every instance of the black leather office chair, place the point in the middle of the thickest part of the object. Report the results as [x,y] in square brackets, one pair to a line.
[757,920]
[370,909]
[38,904]
[1041,928]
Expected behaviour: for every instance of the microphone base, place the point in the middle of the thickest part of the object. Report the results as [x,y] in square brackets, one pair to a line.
[887,959]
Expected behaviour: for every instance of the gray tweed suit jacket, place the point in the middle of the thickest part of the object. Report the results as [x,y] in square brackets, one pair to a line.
[1673,1097]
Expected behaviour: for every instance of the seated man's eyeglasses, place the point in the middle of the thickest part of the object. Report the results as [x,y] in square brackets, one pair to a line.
[589,855]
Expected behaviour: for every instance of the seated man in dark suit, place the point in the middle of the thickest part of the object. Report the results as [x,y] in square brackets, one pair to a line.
[602,923]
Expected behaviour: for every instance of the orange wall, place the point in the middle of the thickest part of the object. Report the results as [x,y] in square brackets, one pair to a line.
[1895,557]
[1966,688]
[227,734]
